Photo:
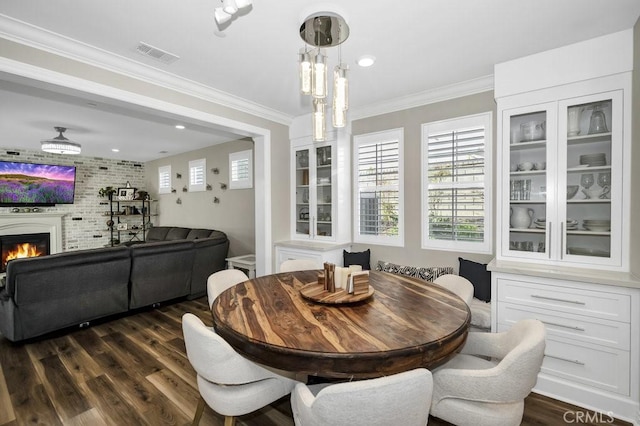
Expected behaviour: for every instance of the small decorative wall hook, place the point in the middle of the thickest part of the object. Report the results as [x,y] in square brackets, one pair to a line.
[173,190]
[209,187]
[178,175]
[215,171]
[179,201]
[223,185]
[185,189]
[216,200]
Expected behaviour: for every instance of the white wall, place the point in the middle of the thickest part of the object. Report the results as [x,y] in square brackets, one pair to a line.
[234,214]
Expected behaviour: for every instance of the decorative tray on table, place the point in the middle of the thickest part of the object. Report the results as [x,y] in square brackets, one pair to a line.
[317,293]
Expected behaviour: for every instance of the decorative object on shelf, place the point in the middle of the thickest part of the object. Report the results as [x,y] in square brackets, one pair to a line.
[304,214]
[110,223]
[533,131]
[303,158]
[305,195]
[572,190]
[573,120]
[521,217]
[142,195]
[127,185]
[587,180]
[324,29]
[598,122]
[126,194]
[60,144]
[122,226]
[107,191]
[604,180]
[216,200]
[215,171]
[15,210]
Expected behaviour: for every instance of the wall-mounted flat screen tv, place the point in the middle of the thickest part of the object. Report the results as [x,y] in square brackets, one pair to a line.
[32,184]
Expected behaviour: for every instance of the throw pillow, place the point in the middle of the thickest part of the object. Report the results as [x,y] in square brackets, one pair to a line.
[426,273]
[357,258]
[479,276]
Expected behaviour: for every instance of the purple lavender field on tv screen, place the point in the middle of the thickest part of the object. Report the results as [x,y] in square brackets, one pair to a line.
[34,184]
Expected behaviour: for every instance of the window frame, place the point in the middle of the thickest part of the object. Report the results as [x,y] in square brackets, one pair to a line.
[368,139]
[164,171]
[485,120]
[195,164]
[247,182]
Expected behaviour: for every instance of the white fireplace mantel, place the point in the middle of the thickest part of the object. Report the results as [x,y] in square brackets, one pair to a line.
[34,223]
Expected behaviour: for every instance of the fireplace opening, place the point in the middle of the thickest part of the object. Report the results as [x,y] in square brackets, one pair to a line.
[22,245]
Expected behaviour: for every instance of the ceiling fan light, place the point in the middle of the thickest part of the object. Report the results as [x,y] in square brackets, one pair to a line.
[60,144]
[221,16]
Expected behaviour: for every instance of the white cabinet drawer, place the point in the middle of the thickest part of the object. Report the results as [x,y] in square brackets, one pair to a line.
[593,365]
[598,304]
[586,329]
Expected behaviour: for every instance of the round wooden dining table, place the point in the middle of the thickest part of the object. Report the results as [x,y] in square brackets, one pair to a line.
[407,323]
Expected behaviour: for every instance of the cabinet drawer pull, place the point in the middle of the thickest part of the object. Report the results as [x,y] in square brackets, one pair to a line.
[572,327]
[573,361]
[576,302]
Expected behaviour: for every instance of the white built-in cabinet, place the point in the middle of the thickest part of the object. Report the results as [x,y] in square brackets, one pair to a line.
[563,223]
[320,196]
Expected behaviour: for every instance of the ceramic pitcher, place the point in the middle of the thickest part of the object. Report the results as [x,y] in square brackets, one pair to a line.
[521,217]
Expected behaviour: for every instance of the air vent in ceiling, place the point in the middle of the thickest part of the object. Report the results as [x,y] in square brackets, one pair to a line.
[155,53]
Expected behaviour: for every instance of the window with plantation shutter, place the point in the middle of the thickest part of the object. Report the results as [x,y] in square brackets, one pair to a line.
[240,170]
[197,177]
[164,180]
[378,198]
[456,184]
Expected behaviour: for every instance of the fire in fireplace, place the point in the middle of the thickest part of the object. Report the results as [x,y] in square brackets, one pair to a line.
[23,245]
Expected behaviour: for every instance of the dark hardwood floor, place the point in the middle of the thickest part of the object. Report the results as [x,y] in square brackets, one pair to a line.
[133,371]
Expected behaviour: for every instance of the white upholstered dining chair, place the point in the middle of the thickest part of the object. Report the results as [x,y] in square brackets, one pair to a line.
[399,399]
[228,383]
[473,390]
[222,280]
[292,265]
[461,286]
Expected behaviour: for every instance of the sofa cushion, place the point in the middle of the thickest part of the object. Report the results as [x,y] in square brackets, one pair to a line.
[158,233]
[479,276]
[425,273]
[196,234]
[176,233]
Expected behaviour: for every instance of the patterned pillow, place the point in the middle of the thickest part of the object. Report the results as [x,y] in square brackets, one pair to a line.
[427,274]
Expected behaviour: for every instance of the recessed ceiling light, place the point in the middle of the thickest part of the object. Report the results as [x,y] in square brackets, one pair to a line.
[366,61]
[179,126]
[115,150]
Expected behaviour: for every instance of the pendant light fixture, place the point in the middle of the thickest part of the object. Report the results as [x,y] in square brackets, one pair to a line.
[323,30]
[60,144]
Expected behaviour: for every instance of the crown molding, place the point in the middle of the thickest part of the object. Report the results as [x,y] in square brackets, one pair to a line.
[457,90]
[45,40]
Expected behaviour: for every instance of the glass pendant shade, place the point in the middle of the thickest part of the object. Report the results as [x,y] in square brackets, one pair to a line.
[319,76]
[305,73]
[340,96]
[318,120]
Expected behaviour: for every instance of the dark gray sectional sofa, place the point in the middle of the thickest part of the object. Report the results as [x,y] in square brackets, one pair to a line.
[45,294]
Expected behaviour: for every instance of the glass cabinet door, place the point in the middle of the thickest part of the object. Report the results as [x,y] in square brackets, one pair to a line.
[528,162]
[592,170]
[302,181]
[323,191]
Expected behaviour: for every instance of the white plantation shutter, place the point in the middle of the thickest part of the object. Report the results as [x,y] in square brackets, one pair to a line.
[457,184]
[240,170]
[197,176]
[164,179]
[379,181]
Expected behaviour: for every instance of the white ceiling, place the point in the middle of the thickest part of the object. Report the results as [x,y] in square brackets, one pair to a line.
[420,46]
